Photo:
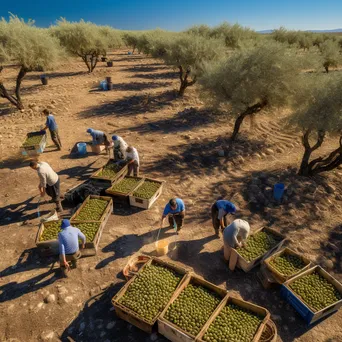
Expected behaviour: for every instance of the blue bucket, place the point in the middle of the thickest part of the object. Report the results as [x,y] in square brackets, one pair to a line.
[129,52]
[82,149]
[278,191]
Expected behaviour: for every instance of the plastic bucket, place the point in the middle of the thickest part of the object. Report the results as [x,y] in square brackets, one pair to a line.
[129,52]
[82,149]
[278,191]
[44,80]
[162,247]
[109,64]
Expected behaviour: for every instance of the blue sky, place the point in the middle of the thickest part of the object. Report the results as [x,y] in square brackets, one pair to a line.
[177,14]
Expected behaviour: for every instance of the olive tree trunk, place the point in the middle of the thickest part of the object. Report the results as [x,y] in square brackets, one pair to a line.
[249,111]
[184,80]
[90,60]
[321,164]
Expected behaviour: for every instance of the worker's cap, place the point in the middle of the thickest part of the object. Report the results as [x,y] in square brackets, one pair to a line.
[115,137]
[65,223]
[89,130]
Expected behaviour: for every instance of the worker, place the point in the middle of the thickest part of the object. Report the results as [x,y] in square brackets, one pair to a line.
[219,211]
[235,236]
[175,210]
[69,245]
[49,182]
[120,147]
[99,138]
[132,159]
[52,126]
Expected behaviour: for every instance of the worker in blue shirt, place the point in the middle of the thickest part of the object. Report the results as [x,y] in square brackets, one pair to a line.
[219,211]
[99,138]
[69,245]
[175,210]
[53,128]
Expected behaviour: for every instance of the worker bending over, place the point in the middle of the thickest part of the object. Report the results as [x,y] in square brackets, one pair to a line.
[219,211]
[99,138]
[175,210]
[132,159]
[119,149]
[69,245]
[53,128]
[234,236]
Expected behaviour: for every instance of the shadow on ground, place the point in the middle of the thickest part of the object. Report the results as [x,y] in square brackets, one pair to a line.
[160,75]
[79,172]
[56,75]
[13,162]
[138,86]
[132,105]
[147,68]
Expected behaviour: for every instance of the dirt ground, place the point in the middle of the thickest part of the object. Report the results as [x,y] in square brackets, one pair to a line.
[178,141]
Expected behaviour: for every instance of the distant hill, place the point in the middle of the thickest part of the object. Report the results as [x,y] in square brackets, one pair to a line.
[315,31]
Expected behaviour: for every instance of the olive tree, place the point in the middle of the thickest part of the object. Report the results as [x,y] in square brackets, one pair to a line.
[28,47]
[131,39]
[263,77]
[82,39]
[187,53]
[199,30]
[112,37]
[330,54]
[319,113]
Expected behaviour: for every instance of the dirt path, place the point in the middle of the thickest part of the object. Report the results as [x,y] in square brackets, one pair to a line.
[178,141]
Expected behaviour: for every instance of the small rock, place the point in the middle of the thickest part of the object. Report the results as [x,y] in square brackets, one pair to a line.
[53,102]
[328,264]
[110,325]
[51,298]
[269,151]
[68,299]
[330,188]
[187,137]
[51,106]
[47,336]
[40,305]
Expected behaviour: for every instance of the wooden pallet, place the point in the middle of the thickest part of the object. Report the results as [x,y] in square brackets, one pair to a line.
[131,316]
[146,203]
[280,277]
[248,265]
[171,331]
[258,310]
[118,176]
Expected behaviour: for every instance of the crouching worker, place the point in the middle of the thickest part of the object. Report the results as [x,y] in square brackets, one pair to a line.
[234,236]
[175,210]
[219,211]
[132,159]
[69,245]
[99,138]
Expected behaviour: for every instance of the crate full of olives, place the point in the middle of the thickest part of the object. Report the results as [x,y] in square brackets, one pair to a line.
[34,143]
[94,208]
[190,309]
[111,172]
[314,294]
[257,247]
[146,193]
[145,296]
[286,263]
[125,186]
[235,320]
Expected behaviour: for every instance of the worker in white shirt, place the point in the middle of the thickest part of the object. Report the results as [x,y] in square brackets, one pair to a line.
[49,182]
[132,158]
[120,147]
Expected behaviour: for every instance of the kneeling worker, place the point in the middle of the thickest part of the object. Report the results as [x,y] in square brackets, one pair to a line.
[68,245]
[219,211]
[175,209]
[234,236]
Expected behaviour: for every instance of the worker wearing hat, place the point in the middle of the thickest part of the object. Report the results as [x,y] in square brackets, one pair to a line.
[119,149]
[69,245]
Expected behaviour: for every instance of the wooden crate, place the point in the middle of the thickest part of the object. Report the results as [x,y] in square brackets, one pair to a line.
[107,212]
[119,175]
[120,197]
[131,316]
[248,265]
[280,277]
[34,149]
[146,203]
[299,305]
[171,331]
[260,311]
[51,247]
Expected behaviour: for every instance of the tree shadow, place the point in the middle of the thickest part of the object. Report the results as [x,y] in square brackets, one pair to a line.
[20,212]
[138,86]
[13,162]
[147,68]
[55,75]
[130,58]
[132,105]
[161,75]
[129,244]
[97,322]
[7,109]
[80,172]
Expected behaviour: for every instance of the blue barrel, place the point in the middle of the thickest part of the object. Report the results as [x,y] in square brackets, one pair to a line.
[129,52]
[278,191]
[82,149]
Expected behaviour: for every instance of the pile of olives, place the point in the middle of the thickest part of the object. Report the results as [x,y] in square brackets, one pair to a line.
[151,291]
[33,140]
[233,324]
[147,189]
[89,229]
[110,170]
[258,244]
[192,308]
[92,211]
[316,291]
[126,185]
[287,264]
[51,230]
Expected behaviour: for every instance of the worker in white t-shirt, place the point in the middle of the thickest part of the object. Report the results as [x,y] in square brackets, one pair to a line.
[132,158]
[119,149]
